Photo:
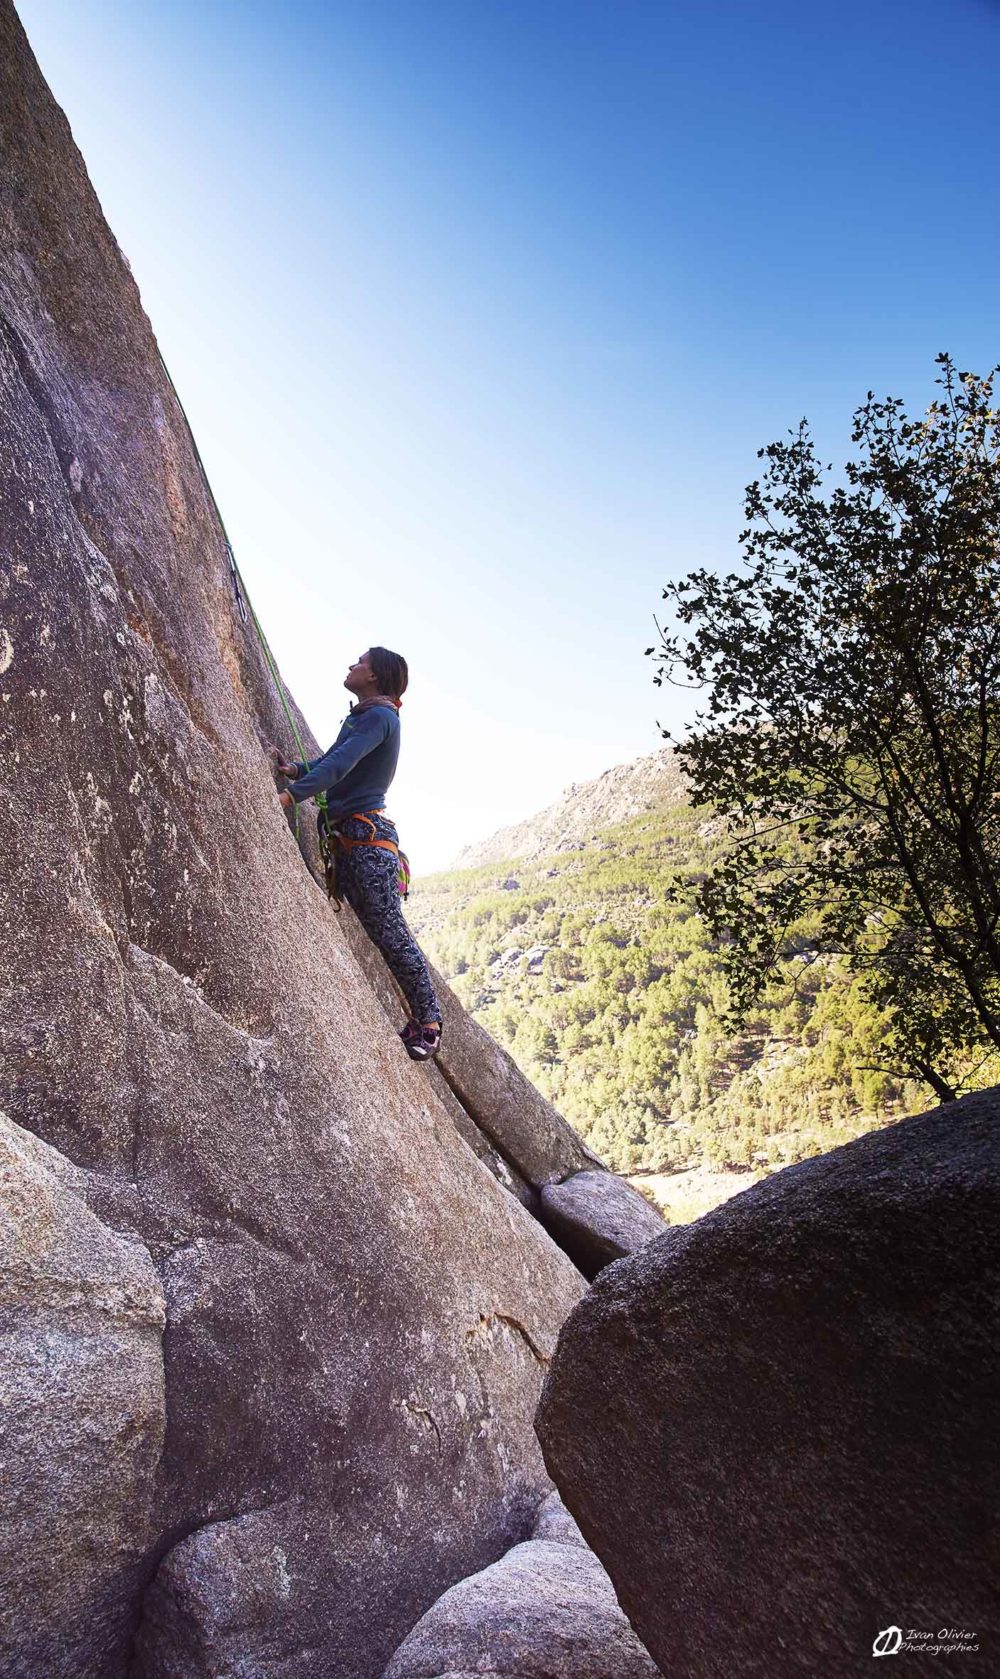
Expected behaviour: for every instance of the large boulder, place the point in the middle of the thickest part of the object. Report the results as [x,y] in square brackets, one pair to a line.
[777,1426]
[598,1218]
[81,1419]
[546,1610]
[359,1313]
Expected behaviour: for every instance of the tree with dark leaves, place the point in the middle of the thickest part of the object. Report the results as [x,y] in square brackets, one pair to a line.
[851,736]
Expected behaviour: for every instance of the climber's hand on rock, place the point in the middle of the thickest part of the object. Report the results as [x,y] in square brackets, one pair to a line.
[286,801]
[281,764]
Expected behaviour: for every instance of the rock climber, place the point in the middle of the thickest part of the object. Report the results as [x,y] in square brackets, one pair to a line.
[355,775]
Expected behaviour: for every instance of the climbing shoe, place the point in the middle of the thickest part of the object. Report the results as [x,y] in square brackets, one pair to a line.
[420,1042]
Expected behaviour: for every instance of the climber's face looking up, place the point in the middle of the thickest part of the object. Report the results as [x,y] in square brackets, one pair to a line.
[361,679]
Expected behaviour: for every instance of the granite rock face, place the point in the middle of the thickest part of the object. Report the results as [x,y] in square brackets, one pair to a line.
[82,1417]
[554,1522]
[522,1138]
[535,1614]
[359,1313]
[546,1610]
[777,1426]
[598,1218]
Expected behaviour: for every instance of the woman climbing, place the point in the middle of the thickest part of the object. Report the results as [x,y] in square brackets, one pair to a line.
[355,775]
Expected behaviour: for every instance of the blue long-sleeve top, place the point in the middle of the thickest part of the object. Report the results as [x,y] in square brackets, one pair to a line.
[356,772]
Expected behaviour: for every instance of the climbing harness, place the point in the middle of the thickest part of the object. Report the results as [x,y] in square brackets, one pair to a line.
[334,844]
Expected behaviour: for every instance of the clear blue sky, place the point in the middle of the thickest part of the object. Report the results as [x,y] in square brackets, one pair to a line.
[481,309]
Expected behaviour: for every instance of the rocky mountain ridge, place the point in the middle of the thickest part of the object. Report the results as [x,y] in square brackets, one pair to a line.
[646,784]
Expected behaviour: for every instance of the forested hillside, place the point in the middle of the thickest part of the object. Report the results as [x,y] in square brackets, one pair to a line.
[609,997]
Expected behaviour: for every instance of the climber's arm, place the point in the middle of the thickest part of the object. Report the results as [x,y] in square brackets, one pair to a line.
[369,731]
[291,768]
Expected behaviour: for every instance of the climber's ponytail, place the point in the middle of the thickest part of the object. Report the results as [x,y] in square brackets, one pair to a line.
[390,668]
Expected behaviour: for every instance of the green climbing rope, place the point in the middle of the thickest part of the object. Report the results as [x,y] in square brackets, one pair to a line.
[244,603]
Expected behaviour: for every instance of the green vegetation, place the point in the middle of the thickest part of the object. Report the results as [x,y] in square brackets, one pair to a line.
[850,737]
[813,947]
[610,996]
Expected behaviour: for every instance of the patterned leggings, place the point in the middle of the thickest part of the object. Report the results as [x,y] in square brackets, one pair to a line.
[368,877]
